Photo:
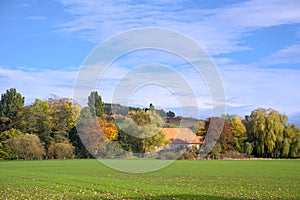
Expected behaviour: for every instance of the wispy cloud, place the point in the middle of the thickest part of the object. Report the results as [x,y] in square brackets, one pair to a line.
[36,18]
[38,84]
[268,88]
[246,88]
[287,55]
[219,30]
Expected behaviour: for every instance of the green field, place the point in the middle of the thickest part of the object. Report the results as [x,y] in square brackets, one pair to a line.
[89,179]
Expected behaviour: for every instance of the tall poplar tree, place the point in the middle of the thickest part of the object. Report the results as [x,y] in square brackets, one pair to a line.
[95,104]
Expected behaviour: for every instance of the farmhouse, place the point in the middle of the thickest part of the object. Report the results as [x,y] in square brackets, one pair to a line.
[182,137]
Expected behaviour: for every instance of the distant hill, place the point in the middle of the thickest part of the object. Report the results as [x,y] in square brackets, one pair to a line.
[123,110]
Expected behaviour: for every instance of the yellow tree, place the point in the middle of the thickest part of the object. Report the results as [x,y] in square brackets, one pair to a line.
[109,129]
[265,130]
[238,130]
[291,141]
[141,132]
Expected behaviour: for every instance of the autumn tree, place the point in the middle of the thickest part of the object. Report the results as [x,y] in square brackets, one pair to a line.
[202,128]
[295,146]
[291,141]
[141,131]
[265,130]
[238,130]
[60,150]
[218,137]
[89,131]
[62,115]
[26,146]
[109,129]
[213,130]
[226,139]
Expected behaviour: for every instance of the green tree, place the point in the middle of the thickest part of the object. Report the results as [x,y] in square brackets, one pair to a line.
[62,118]
[248,148]
[217,150]
[38,121]
[96,105]
[170,114]
[80,150]
[5,124]
[286,147]
[140,118]
[9,134]
[141,132]
[5,136]
[10,103]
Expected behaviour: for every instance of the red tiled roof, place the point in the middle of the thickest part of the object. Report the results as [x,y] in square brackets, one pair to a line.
[182,134]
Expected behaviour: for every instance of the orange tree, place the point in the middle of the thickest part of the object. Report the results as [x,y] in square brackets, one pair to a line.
[109,129]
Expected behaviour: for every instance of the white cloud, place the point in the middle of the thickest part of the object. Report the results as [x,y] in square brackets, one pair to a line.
[259,14]
[260,84]
[267,88]
[36,18]
[218,30]
[287,55]
[246,88]
[38,84]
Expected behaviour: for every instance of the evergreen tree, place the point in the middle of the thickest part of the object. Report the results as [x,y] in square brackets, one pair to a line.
[96,105]
[10,103]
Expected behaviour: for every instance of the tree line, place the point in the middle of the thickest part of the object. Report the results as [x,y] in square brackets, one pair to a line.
[264,133]
[50,130]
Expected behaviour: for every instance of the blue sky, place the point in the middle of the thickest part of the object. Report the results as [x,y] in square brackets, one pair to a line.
[254,44]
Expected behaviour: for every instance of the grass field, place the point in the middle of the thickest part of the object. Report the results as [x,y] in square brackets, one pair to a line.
[89,179]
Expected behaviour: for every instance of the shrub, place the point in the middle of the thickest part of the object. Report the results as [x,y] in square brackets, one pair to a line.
[60,150]
[27,146]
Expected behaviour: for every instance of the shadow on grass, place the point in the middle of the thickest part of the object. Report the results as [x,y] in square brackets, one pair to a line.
[187,196]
